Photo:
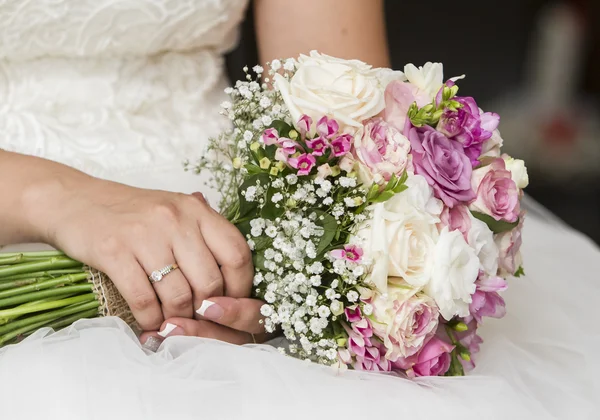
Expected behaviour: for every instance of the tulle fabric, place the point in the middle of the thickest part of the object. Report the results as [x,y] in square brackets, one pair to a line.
[539,362]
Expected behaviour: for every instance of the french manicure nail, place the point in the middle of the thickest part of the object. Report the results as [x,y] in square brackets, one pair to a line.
[167,330]
[152,344]
[210,310]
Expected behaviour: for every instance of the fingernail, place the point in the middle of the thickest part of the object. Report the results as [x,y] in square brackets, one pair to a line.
[210,310]
[152,344]
[167,330]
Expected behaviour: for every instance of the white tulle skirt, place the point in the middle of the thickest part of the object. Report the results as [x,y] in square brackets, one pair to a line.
[540,362]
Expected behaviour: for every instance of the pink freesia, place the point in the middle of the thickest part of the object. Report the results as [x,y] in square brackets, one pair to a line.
[399,96]
[304,163]
[363,327]
[304,123]
[433,359]
[286,148]
[456,218]
[443,163]
[486,301]
[341,145]
[353,314]
[327,127]
[382,150]
[270,136]
[471,341]
[509,244]
[351,253]
[497,193]
[318,146]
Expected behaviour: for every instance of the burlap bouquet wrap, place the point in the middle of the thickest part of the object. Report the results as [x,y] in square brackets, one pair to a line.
[111,301]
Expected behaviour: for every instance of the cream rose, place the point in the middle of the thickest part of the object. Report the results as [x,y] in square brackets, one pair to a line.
[349,91]
[453,276]
[401,235]
[518,171]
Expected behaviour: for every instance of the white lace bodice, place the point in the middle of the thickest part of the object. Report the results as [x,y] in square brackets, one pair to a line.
[117,88]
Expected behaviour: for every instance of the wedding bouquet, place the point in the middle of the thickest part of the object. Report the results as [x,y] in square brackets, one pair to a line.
[382,216]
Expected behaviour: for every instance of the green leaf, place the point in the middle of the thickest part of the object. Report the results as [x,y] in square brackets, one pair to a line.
[384,196]
[496,226]
[270,211]
[247,207]
[253,169]
[520,272]
[283,128]
[259,261]
[373,192]
[261,243]
[330,229]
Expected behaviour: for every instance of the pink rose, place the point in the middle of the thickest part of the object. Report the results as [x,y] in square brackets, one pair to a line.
[433,359]
[404,321]
[382,150]
[443,163]
[456,218]
[486,301]
[509,244]
[399,96]
[497,193]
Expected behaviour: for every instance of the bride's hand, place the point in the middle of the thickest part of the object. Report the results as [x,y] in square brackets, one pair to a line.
[129,232]
[236,321]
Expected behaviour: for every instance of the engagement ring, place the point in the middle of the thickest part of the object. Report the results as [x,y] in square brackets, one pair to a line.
[157,275]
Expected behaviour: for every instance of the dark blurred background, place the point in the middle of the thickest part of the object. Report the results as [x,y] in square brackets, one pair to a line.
[535,62]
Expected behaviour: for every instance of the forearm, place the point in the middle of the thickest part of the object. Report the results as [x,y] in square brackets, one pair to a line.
[353,29]
[31,190]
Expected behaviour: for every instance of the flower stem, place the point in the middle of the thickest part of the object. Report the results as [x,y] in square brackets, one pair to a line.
[27,297]
[37,274]
[47,284]
[27,309]
[28,267]
[49,316]
[37,254]
[56,324]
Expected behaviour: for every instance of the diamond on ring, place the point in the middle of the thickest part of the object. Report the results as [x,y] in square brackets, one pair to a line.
[157,275]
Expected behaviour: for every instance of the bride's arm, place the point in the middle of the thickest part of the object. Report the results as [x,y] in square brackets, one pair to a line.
[127,233]
[343,28]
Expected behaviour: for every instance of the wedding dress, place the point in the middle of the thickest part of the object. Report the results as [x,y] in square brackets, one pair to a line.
[126,90]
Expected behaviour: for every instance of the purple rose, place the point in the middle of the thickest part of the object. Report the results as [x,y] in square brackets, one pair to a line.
[443,163]
[469,126]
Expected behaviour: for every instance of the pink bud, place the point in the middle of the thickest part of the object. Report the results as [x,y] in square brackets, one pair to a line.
[327,127]
[270,136]
[304,124]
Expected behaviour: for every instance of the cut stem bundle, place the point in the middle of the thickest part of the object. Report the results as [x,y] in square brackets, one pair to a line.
[42,289]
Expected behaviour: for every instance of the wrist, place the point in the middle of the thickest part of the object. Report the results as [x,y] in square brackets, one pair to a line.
[45,204]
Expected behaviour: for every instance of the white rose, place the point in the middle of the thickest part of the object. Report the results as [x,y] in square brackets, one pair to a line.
[491,147]
[428,78]
[349,91]
[401,235]
[455,270]
[517,170]
[481,239]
